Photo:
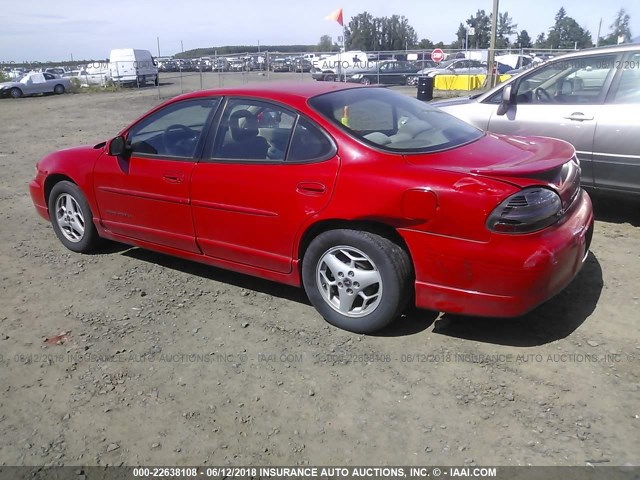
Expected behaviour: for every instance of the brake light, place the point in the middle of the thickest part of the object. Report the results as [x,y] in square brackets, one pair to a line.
[526,211]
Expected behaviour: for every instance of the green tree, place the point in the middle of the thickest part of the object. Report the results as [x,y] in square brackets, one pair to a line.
[523,40]
[461,36]
[425,44]
[619,28]
[505,28]
[397,34]
[541,41]
[361,32]
[566,33]
[365,32]
[481,23]
[325,44]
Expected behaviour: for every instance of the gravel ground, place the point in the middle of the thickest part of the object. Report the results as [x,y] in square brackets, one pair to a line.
[132,357]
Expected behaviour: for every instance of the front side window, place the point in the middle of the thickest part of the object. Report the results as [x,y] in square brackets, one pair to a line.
[174,131]
[572,81]
[392,121]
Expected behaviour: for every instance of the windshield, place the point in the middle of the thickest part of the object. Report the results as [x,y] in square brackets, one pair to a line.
[446,63]
[392,121]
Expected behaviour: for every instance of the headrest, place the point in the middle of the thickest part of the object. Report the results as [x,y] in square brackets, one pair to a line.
[243,124]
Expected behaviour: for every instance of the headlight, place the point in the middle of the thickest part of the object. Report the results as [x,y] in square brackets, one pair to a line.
[357,76]
[526,211]
[2,87]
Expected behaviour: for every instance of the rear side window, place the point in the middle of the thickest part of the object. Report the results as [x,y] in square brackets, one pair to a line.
[309,143]
[628,90]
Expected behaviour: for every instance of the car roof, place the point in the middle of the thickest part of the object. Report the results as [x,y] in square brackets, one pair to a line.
[597,50]
[283,91]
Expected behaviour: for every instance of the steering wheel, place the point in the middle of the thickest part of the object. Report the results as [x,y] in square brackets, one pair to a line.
[179,140]
[543,96]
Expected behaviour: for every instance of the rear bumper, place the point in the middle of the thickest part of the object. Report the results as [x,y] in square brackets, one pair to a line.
[505,277]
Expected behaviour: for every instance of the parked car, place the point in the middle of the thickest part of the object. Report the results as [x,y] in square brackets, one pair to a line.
[94,74]
[280,65]
[366,197]
[456,66]
[589,98]
[33,84]
[220,64]
[167,66]
[56,71]
[390,72]
[301,65]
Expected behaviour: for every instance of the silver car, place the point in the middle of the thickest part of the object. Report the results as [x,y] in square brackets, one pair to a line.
[456,66]
[589,98]
[33,84]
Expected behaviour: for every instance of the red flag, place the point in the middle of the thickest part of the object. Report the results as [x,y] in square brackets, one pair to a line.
[337,16]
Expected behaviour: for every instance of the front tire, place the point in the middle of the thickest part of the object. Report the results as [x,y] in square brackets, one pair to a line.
[357,280]
[71,218]
[365,81]
[15,92]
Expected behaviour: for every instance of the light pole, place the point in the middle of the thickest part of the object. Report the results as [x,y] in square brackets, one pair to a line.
[492,45]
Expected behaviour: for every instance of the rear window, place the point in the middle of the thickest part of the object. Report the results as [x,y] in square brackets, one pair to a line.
[392,121]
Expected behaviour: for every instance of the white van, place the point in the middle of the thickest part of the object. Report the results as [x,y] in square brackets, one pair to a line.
[128,65]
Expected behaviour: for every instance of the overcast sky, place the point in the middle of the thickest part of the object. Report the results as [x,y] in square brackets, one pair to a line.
[46,30]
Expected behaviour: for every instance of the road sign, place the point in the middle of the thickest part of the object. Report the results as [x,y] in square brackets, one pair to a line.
[437,55]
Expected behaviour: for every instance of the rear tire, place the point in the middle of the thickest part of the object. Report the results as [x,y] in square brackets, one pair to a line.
[71,218]
[329,77]
[357,280]
[58,89]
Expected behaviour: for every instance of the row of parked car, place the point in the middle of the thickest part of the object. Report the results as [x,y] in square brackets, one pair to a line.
[407,73]
[273,63]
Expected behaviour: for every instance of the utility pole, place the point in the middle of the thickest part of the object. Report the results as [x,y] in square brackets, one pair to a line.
[492,46]
[598,36]
[158,39]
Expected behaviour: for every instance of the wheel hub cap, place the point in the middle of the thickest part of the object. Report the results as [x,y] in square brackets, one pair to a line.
[349,281]
[70,218]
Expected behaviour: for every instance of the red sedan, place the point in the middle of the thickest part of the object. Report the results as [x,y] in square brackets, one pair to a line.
[366,197]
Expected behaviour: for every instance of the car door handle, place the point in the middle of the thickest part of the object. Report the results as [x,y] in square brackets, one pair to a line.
[173,177]
[578,116]
[311,188]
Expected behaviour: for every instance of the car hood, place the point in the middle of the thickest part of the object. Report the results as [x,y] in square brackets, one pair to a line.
[10,84]
[451,101]
[501,156]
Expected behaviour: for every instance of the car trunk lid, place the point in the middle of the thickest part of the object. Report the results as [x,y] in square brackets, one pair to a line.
[521,161]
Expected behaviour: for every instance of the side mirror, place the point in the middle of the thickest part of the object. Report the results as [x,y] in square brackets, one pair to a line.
[506,100]
[117,146]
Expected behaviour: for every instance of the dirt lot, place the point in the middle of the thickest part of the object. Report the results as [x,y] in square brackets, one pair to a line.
[162,361]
